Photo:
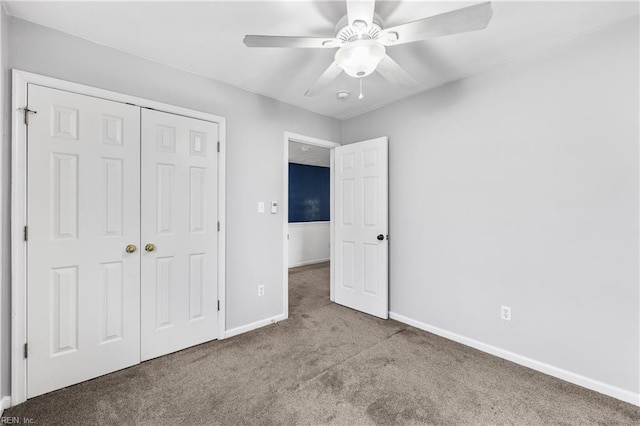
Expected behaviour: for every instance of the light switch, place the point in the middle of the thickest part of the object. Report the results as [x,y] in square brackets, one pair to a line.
[274,207]
[260,206]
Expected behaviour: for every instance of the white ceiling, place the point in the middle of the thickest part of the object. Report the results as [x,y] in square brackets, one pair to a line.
[206,38]
[312,155]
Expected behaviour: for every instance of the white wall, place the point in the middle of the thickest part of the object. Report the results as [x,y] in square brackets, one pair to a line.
[255,129]
[308,243]
[519,187]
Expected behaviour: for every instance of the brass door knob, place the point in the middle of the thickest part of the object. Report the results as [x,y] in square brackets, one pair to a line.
[150,247]
[131,248]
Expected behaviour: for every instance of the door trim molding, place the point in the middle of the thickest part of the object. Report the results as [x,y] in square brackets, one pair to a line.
[294,137]
[20,80]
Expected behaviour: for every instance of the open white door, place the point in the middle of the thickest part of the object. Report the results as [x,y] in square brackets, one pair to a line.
[179,232]
[361,222]
[84,223]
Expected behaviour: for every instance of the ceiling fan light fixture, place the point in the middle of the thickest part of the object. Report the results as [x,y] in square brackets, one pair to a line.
[360,58]
[361,39]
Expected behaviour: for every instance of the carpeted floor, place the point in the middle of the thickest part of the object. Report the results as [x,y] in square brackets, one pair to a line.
[327,364]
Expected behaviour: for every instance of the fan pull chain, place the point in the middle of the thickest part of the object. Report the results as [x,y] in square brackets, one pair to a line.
[360,96]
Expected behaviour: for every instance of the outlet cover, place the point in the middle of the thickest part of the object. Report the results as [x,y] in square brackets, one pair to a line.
[261,290]
[505,313]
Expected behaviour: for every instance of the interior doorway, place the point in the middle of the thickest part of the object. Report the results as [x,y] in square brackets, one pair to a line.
[307,205]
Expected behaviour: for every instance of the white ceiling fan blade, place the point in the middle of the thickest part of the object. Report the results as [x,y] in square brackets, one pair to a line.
[360,13]
[325,79]
[471,18]
[286,41]
[396,75]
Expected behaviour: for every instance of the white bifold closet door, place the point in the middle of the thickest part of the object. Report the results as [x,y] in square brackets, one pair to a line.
[123,236]
[179,218]
[83,199]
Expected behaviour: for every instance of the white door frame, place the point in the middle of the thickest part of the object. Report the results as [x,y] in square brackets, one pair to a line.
[294,137]
[19,207]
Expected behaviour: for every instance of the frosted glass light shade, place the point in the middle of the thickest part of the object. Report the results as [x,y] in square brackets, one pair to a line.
[360,58]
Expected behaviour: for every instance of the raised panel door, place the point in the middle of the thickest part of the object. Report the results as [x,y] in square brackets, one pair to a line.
[83,288]
[179,207]
[361,227]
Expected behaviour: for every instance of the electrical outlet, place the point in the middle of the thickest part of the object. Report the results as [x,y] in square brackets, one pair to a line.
[505,313]
[261,290]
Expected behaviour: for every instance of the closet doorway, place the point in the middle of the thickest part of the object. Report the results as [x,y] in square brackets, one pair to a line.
[122,255]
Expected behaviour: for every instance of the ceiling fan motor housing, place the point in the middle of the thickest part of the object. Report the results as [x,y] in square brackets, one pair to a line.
[346,32]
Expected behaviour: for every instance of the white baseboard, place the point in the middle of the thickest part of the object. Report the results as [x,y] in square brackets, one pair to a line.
[308,262]
[5,402]
[577,379]
[253,326]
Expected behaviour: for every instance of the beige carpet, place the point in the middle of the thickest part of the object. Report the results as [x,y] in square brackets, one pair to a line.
[327,364]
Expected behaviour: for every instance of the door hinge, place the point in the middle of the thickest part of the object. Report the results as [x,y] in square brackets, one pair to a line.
[26,111]
[26,233]
[218,146]
[26,350]
[218,305]
[218,226]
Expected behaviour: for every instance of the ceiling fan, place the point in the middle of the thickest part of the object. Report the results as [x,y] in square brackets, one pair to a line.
[362,40]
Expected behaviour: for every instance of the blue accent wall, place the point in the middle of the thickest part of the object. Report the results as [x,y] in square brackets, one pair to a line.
[308,193]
